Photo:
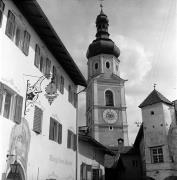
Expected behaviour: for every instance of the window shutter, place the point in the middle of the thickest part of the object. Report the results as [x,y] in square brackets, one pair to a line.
[75,100]
[37,56]
[26,42]
[1,96]
[37,124]
[60,133]
[69,139]
[47,69]
[10,26]
[51,131]
[18,109]
[75,142]
[1,11]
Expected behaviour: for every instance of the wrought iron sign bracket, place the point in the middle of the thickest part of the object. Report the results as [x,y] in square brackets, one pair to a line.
[33,91]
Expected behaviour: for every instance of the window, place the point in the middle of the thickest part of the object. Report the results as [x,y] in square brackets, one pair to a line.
[71,141]
[37,124]
[107,65]
[157,154]
[26,42]
[152,112]
[1,11]
[48,66]
[96,65]
[10,26]
[109,98]
[95,174]
[10,104]
[62,84]
[110,128]
[55,132]
[37,56]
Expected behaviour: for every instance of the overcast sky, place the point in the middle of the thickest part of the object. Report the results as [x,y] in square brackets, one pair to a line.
[145,32]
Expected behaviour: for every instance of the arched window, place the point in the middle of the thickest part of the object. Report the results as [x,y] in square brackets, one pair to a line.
[109,98]
[107,65]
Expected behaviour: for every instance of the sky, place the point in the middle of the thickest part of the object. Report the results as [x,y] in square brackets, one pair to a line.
[145,32]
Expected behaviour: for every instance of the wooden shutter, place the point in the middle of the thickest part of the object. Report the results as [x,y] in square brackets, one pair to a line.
[47,69]
[59,133]
[1,96]
[37,124]
[51,131]
[10,26]
[37,56]
[26,42]
[75,100]
[75,143]
[69,139]
[18,109]
[1,11]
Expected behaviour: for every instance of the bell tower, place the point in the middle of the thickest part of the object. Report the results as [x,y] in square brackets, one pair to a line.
[105,96]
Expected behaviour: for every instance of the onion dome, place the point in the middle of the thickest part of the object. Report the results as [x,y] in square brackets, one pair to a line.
[102,44]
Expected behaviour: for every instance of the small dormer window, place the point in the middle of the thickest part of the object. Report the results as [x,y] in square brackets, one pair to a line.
[107,65]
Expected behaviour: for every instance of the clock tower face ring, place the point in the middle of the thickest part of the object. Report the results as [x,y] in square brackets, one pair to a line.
[110,116]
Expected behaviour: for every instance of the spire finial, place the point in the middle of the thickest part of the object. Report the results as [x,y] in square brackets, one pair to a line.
[154,85]
[101,5]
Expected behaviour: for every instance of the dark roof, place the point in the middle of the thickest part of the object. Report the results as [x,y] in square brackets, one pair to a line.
[138,137]
[95,143]
[38,20]
[153,98]
[124,150]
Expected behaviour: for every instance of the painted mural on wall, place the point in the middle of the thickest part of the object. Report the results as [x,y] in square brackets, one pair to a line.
[19,144]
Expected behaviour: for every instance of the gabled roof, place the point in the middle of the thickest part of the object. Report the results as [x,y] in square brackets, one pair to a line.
[153,98]
[38,20]
[95,143]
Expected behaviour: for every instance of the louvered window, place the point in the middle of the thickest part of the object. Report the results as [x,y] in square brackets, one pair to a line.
[55,132]
[1,11]
[37,124]
[62,84]
[18,109]
[26,42]
[10,26]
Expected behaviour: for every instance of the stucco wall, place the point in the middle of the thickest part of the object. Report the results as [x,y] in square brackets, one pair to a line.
[46,158]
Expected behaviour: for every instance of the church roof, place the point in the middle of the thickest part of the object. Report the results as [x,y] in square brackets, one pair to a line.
[153,98]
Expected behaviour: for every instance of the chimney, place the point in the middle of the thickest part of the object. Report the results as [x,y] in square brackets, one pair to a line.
[120,145]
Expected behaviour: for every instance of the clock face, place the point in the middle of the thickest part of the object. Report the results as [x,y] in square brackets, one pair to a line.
[110,116]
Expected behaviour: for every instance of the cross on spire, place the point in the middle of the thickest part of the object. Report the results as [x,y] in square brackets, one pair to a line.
[154,85]
[101,5]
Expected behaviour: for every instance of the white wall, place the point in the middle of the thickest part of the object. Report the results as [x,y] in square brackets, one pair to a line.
[46,158]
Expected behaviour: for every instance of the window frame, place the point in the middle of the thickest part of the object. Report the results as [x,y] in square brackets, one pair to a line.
[157,157]
[109,98]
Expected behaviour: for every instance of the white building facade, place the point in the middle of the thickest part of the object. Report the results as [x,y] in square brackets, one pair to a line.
[37,135]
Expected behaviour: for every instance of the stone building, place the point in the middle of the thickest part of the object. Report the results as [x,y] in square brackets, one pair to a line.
[37,134]
[156,139]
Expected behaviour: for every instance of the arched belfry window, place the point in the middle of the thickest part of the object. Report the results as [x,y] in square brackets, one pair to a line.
[109,98]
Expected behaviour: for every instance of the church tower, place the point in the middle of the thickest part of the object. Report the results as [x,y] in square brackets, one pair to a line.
[105,96]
